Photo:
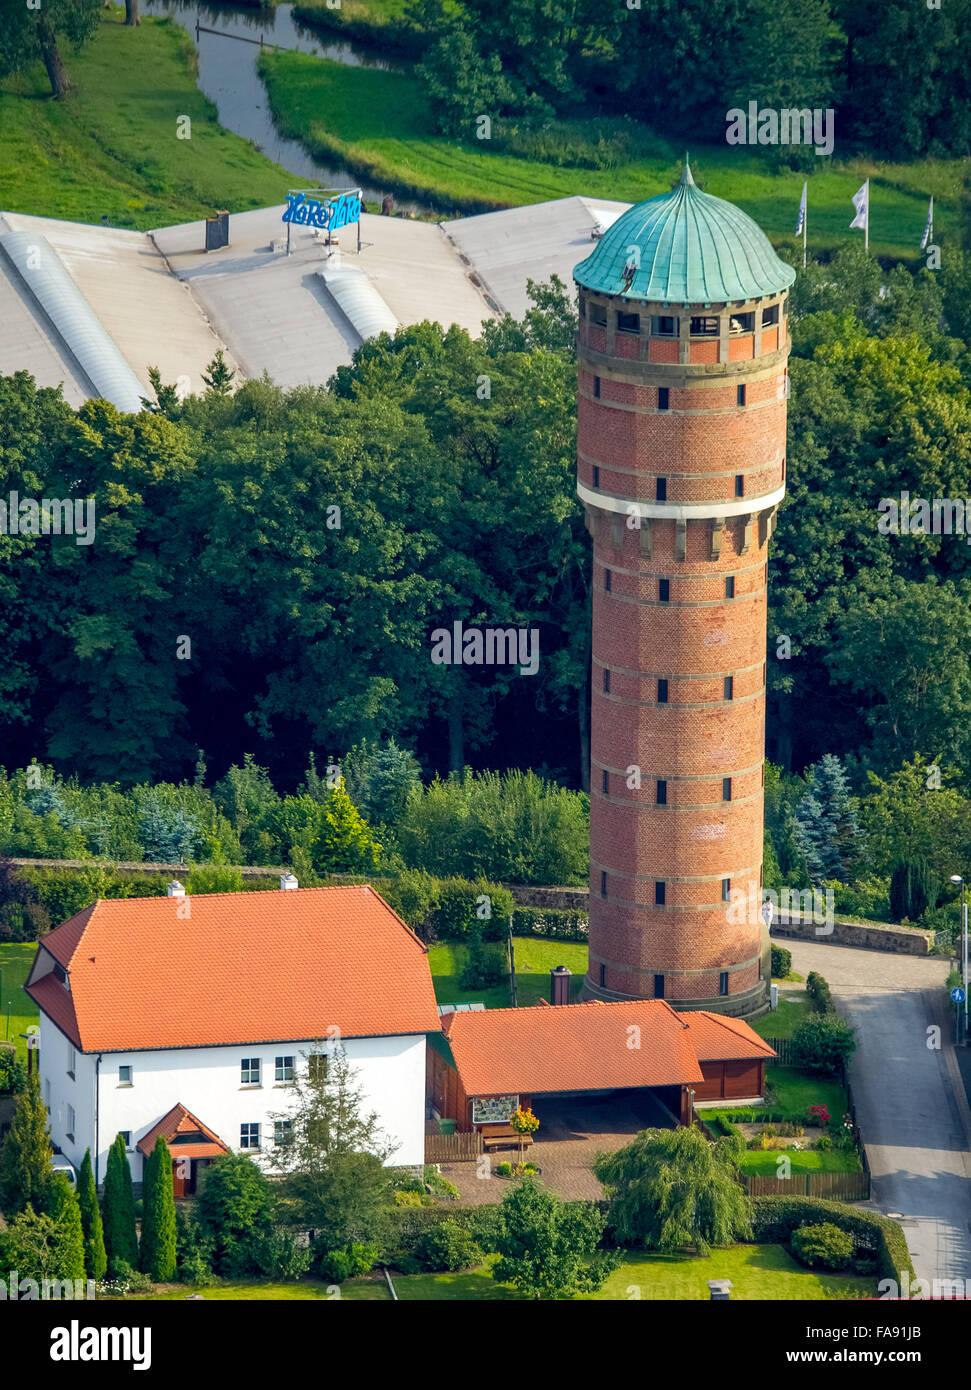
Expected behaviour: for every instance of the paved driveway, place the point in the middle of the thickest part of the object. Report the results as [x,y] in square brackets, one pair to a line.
[910,1103]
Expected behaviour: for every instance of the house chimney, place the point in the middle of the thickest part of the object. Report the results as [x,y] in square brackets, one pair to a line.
[174,889]
[720,1290]
[560,978]
[287,881]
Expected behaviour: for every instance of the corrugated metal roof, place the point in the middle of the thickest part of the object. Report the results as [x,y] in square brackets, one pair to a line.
[685,247]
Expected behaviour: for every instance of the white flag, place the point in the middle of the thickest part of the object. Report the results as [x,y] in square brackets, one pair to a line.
[861,201]
[929,229]
[802,211]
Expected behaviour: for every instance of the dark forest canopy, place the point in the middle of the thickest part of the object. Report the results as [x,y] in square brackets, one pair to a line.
[222,607]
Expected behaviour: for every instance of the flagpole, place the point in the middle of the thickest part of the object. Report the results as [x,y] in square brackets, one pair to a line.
[805,228]
[866,223]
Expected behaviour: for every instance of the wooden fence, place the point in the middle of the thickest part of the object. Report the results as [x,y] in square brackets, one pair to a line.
[842,1187]
[783,1047]
[453,1148]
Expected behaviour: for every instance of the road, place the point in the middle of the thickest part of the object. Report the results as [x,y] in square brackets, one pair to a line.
[910,1103]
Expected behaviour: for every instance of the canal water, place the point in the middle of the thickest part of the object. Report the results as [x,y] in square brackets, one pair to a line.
[228,77]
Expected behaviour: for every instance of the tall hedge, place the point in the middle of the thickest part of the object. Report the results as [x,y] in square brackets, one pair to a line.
[775,1218]
[158,1216]
[95,1258]
[118,1209]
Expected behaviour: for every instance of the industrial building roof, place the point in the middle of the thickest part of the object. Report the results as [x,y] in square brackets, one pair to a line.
[685,247]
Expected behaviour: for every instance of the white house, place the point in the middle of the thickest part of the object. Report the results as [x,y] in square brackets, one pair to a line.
[186,1017]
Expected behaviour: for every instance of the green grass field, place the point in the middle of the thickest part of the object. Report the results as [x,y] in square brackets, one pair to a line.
[782,1023]
[16,959]
[757,1272]
[111,145]
[764,1161]
[380,124]
[535,959]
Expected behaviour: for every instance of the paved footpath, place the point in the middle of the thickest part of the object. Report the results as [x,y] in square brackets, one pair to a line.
[910,1104]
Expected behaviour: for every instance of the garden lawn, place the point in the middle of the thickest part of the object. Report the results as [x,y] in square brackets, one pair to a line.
[783,1021]
[379,124]
[764,1161]
[793,1092]
[535,958]
[110,146]
[16,959]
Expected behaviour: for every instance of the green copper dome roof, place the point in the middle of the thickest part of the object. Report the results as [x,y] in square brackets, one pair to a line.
[691,249]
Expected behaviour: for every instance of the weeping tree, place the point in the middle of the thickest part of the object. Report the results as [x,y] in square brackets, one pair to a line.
[670,1189]
[29,36]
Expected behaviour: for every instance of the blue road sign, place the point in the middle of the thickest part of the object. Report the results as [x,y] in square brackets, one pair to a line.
[957,994]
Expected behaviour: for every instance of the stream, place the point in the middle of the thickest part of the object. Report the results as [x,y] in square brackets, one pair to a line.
[228,77]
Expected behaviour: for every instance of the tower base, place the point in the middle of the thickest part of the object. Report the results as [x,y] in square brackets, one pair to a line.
[749,1004]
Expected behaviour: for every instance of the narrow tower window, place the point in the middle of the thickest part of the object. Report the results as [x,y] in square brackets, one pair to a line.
[770,315]
[662,692]
[603,883]
[664,590]
[596,388]
[704,327]
[739,484]
[662,489]
[607,580]
[663,397]
[726,789]
[628,323]
[740,395]
[726,890]
[730,586]
[659,893]
[607,681]
[729,688]
[598,315]
[606,782]
[603,976]
[662,792]
[658,986]
[664,326]
[596,476]
[723,982]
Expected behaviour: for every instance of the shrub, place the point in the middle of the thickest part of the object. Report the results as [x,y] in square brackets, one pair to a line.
[278,1256]
[484,966]
[448,1246]
[133,1280]
[553,924]
[334,1266]
[775,1218]
[462,906]
[13,1073]
[819,993]
[818,1115]
[822,1044]
[912,890]
[822,1246]
[414,896]
[504,1169]
[781,962]
[824,1143]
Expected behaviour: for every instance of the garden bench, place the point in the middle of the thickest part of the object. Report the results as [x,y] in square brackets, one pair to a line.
[503,1136]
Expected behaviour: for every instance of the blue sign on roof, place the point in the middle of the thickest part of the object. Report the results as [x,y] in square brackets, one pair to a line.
[330,214]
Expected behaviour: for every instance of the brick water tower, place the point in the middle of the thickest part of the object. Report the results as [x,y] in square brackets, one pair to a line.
[683,344]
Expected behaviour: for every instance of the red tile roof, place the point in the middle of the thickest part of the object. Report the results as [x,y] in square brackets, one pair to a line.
[239,968]
[719,1039]
[571,1047]
[186,1136]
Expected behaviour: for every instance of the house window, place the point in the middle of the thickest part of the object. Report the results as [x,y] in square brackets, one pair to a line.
[664,590]
[770,315]
[723,982]
[704,327]
[662,692]
[603,883]
[598,315]
[606,782]
[317,1066]
[658,986]
[661,489]
[249,1071]
[662,792]
[726,789]
[730,586]
[740,395]
[249,1136]
[628,323]
[741,323]
[659,894]
[71,1122]
[283,1068]
[664,326]
[607,581]
[596,388]
[70,1061]
[124,1076]
[282,1131]
[728,688]
[663,397]
[726,890]
[606,681]
[596,476]
[126,1139]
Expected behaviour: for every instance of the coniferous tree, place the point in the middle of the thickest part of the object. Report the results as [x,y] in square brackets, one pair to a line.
[827,832]
[25,1157]
[64,1208]
[95,1259]
[219,376]
[158,1218]
[118,1209]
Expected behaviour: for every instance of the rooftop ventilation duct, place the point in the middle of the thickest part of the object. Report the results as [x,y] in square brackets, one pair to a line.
[42,272]
[288,882]
[174,889]
[360,301]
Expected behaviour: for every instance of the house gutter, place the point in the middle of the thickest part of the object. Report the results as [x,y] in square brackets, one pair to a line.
[97,1103]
